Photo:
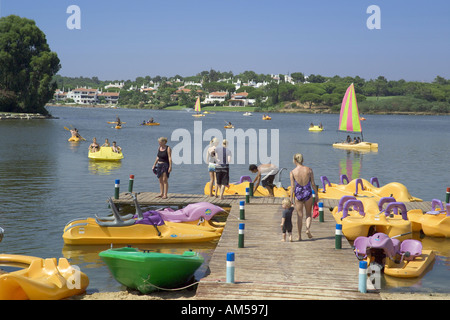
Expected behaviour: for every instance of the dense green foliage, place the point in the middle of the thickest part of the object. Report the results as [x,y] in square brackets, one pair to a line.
[27,66]
[374,95]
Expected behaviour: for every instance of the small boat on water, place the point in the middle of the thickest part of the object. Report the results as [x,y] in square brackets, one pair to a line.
[266,117]
[230,126]
[349,121]
[74,139]
[405,259]
[39,279]
[315,128]
[198,109]
[150,124]
[149,271]
[248,114]
[105,153]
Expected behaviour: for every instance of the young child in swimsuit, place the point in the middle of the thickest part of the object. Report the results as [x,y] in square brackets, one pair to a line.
[286,219]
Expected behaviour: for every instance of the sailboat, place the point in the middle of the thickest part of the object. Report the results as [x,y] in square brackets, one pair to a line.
[198,109]
[349,121]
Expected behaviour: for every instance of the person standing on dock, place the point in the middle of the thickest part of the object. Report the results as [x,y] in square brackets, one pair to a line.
[211,158]
[222,167]
[163,166]
[286,219]
[302,185]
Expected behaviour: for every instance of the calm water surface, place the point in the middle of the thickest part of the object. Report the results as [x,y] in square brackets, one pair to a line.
[47,181]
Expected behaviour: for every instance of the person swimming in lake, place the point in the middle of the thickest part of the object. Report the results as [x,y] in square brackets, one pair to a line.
[302,186]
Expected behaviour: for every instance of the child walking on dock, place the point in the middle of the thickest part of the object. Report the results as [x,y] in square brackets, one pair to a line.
[286,219]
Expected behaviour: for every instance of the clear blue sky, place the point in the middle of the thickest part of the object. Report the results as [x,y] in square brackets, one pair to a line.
[121,40]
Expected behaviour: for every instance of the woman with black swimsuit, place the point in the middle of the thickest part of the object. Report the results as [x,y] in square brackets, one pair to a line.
[163,166]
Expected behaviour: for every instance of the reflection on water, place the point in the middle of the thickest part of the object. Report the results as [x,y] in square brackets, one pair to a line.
[351,164]
[103,167]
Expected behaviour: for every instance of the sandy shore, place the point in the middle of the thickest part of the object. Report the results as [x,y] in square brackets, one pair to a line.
[190,295]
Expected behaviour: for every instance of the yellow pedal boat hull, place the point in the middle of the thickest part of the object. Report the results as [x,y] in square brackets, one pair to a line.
[409,269]
[40,279]
[393,189]
[356,225]
[315,128]
[87,231]
[105,154]
[239,189]
[369,146]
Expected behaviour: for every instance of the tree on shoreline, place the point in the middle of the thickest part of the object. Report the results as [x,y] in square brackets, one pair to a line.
[27,66]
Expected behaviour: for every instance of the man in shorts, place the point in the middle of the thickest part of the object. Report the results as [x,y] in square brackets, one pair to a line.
[268,173]
[222,167]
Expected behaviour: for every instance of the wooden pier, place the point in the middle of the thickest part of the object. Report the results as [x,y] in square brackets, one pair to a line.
[267,268]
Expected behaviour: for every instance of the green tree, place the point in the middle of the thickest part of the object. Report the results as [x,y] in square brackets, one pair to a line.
[27,65]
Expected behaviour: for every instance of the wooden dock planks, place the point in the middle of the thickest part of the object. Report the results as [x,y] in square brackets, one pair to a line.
[267,268]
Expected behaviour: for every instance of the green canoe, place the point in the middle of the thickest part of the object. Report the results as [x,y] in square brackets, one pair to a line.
[150,271]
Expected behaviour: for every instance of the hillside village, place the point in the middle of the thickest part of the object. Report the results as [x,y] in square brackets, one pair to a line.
[235,94]
[265,92]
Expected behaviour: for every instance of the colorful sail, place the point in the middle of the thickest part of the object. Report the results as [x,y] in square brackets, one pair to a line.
[197,105]
[349,119]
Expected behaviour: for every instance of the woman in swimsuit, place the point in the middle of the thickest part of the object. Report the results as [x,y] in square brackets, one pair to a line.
[302,184]
[163,166]
[212,159]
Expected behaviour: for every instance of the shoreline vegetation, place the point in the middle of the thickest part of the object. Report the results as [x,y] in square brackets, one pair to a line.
[286,109]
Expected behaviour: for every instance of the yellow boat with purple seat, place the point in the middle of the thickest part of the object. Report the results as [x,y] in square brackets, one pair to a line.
[433,223]
[361,188]
[368,217]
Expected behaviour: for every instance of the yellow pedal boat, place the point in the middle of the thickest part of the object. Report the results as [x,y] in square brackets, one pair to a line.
[434,223]
[366,222]
[267,118]
[74,139]
[315,128]
[361,188]
[404,259]
[40,279]
[239,189]
[105,153]
[88,231]
[369,146]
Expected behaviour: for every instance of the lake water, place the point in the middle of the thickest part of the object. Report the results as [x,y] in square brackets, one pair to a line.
[47,181]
